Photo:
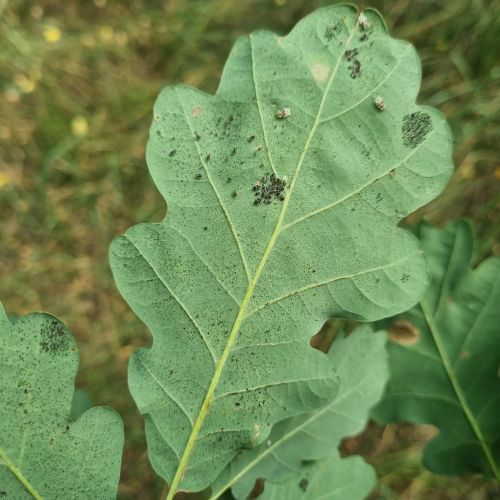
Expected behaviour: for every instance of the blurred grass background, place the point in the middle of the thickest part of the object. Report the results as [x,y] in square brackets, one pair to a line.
[77,84]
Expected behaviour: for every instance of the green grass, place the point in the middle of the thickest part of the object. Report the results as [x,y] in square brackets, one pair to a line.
[74,119]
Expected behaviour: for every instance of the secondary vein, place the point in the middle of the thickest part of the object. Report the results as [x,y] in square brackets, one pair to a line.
[226,215]
[324,283]
[19,475]
[261,116]
[184,308]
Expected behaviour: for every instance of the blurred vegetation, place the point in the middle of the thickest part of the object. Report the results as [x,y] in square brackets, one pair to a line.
[77,84]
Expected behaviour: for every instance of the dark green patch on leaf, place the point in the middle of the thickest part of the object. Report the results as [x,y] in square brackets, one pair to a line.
[415,128]
[54,337]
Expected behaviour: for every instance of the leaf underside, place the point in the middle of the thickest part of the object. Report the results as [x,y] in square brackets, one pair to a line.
[444,370]
[284,191]
[333,478]
[43,452]
[361,363]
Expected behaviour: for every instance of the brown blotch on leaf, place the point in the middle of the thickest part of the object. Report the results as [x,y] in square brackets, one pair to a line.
[283,113]
[197,111]
[257,489]
[404,332]
[322,340]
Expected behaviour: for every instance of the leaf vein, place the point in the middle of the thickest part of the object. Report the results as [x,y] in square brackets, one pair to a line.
[184,308]
[217,194]
[324,283]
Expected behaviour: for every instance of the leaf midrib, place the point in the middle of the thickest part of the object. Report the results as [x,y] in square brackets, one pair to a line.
[457,388]
[181,469]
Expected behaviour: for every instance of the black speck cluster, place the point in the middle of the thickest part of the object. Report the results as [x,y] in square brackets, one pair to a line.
[351,56]
[333,31]
[269,188]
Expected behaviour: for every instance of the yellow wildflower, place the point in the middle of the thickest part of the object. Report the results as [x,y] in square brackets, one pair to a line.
[52,34]
[79,126]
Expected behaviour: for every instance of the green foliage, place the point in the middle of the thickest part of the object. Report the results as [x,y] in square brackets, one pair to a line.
[279,188]
[79,405]
[360,361]
[444,361]
[43,453]
[333,478]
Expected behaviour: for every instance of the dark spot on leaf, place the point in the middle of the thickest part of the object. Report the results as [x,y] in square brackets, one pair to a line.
[54,337]
[415,128]
[172,153]
[197,176]
[207,158]
[355,69]
[268,188]
[351,56]
[251,138]
[304,483]
[332,31]
[234,194]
